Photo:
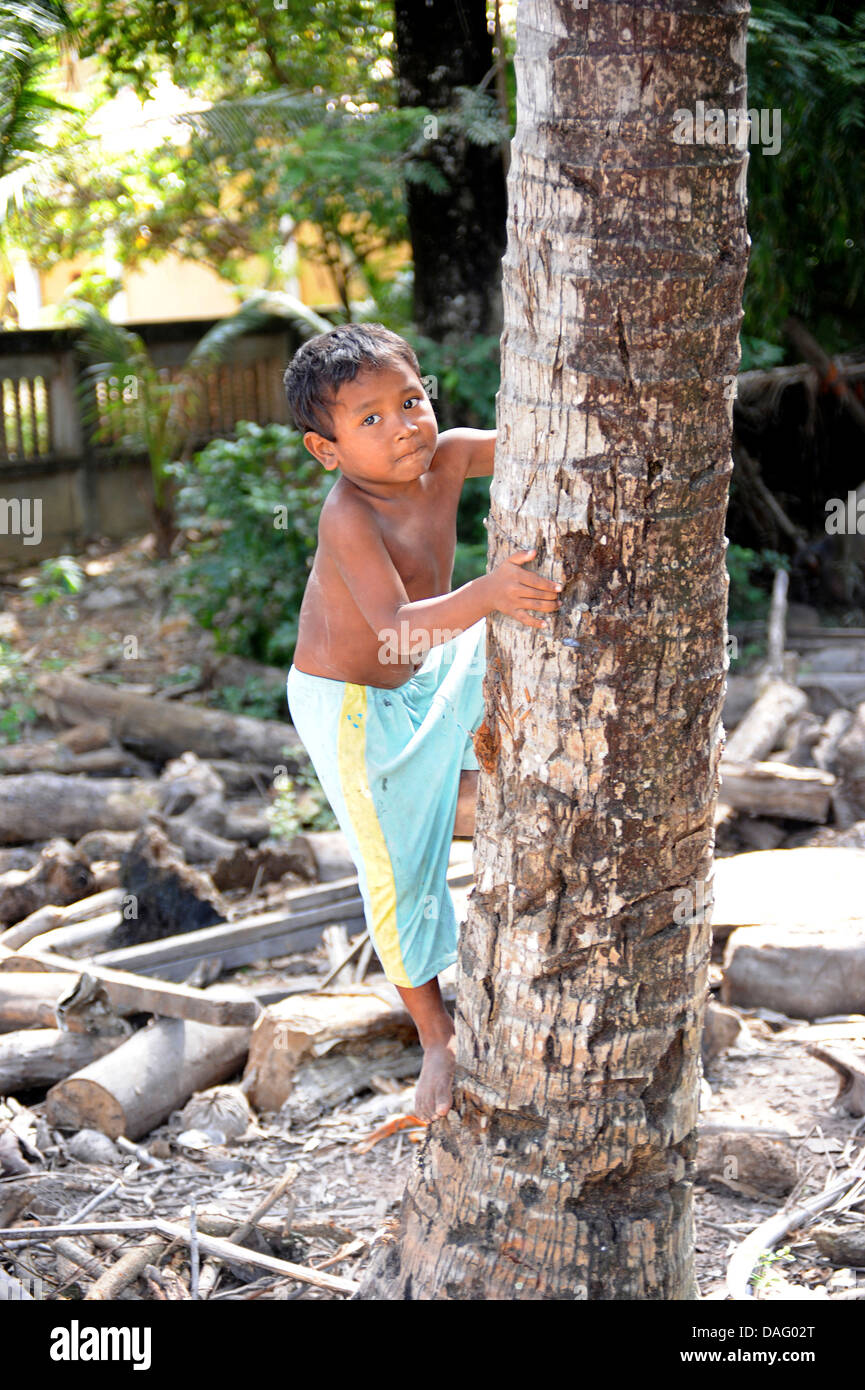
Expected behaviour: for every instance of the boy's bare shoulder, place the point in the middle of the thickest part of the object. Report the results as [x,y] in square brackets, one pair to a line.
[344,515]
[465,452]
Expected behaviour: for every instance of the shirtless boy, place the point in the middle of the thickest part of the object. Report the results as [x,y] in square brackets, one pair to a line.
[382,693]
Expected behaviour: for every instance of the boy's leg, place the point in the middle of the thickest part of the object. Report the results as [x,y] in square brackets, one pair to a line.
[464,824]
[434,1091]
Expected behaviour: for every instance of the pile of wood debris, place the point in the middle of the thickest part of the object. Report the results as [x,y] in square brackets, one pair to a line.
[159,1131]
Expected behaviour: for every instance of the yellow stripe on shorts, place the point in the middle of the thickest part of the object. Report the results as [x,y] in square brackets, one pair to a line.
[351,756]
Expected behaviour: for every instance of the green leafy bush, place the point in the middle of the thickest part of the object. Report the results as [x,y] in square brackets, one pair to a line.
[751,582]
[16,689]
[57,578]
[255,501]
[299,804]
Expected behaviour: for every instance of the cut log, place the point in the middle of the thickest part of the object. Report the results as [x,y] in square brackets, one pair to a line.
[844,1246]
[765,724]
[50,917]
[60,876]
[130,994]
[168,895]
[44,803]
[42,1056]
[242,867]
[310,1025]
[164,730]
[325,1082]
[133,1089]
[83,738]
[776,789]
[749,1159]
[56,756]
[28,1001]
[84,937]
[800,971]
[851,1069]
[258,937]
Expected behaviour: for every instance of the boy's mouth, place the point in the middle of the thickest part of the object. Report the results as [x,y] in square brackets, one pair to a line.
[412,453]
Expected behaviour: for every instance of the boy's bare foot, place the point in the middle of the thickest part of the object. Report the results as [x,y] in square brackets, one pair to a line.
[434,1092]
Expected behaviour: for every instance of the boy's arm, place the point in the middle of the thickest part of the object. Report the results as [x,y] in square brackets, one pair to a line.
[354,543]
[471,450]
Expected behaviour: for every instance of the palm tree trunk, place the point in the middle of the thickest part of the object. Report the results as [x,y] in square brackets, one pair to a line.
[566,1169]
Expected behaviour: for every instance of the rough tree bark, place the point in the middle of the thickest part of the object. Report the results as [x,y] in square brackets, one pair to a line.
[565,1170]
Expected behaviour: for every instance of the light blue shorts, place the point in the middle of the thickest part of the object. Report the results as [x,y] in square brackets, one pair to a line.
[389,762]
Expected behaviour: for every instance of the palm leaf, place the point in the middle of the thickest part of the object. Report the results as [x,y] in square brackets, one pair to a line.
[255,313]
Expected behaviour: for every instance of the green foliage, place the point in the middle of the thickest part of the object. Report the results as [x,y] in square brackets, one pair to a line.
[467,376]
[300,804]
[57,578]
[256,697]
[806,203]
[751,576]
[759,355]
[16,691]
[765,1272]
[257,499]
[27,49]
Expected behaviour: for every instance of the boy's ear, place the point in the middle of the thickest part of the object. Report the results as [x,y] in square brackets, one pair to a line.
[321,449]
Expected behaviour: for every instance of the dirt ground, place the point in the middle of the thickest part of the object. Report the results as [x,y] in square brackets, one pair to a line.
[343,1199]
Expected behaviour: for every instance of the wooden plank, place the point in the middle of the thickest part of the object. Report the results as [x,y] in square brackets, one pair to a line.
[263,935]
[777,789]
[126,992]
[246,954]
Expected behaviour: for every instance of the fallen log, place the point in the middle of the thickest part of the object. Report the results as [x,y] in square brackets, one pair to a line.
[29,1001]
[777,789]
[41,804]
[51,917]
[800,971]
[851,1069]
[762,729]
[56,756]
[162,730]
[308,1025]
[845,1247]
[134,1088]
[789,886]
[129,994]
[60,876]
[322,1083]
[258,937]
[93,934]
[43,1056]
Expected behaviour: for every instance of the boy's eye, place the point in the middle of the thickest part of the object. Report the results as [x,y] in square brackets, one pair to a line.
[411,400]
[369,418]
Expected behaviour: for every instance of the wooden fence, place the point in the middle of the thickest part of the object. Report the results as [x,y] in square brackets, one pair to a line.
[51,464]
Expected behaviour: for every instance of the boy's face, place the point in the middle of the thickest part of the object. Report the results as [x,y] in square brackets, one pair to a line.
[385,431]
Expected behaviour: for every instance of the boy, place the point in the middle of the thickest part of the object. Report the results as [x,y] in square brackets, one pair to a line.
[385,689]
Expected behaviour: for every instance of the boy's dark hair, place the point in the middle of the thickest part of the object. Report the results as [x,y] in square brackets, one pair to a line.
[326,362]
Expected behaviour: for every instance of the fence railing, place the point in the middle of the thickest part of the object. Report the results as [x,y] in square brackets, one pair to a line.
[72,465]
[42,381]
